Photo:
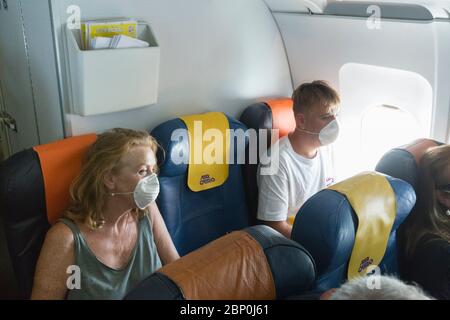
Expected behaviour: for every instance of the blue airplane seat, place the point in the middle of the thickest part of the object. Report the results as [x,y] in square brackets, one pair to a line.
[326,226]
[274,114]
[42,175]
[196,218]
[256,263]
[403,162]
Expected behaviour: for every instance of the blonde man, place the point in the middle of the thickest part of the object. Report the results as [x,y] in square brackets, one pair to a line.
[302,169]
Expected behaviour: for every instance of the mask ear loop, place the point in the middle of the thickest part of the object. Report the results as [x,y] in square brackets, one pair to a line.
[115,193]
[304,130]
[310,132]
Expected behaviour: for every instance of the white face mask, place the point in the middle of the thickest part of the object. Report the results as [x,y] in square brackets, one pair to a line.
[328,134]
[146,191]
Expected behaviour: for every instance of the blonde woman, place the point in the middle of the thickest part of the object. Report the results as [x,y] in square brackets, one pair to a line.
[112,236]
[427,231]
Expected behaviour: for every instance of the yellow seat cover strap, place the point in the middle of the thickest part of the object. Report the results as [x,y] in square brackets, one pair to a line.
[373,200]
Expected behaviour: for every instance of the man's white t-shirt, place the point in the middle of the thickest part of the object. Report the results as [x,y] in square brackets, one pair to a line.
[283,193]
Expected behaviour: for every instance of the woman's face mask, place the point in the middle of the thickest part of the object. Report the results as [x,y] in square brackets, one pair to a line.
[145,192]
[328,134]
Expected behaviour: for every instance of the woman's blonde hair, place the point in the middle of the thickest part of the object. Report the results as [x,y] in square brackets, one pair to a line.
[88,192]
[429,215]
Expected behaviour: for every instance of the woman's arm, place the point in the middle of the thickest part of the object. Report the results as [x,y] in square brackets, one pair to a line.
[57,254]
[164,244]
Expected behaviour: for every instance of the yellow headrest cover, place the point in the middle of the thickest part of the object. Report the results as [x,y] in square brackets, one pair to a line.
[372,198]
[208,163]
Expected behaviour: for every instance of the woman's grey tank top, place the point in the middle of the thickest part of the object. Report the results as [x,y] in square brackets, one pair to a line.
[97,280]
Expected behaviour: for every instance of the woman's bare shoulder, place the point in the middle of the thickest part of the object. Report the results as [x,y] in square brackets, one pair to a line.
[56,255]
[60,235]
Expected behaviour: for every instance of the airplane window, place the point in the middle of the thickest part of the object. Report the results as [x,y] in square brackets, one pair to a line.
[384,127]
[382,108]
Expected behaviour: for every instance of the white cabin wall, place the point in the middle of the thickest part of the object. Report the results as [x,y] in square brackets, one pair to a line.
[215,56]
[441,116]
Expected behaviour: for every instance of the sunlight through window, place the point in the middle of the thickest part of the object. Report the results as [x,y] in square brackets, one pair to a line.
[385,127]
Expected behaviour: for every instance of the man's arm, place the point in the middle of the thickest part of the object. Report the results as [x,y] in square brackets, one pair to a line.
[273,201]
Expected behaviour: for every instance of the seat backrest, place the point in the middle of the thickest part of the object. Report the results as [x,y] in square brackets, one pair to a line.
[257,263]
[403,162]
[34,191]
[272,114]
[196,218]
[326,226]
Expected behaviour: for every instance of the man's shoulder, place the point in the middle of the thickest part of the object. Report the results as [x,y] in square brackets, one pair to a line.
[280,148]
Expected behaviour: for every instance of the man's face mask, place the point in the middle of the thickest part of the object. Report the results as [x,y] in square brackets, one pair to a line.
[145,192]
[328,134]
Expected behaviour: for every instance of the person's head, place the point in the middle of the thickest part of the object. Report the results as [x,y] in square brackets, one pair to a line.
[316,105]
[381,288]
[433,197]
[114,164]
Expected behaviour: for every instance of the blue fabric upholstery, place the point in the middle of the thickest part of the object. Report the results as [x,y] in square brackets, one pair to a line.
[256,116]
[196,218]
[326,224]
[402,162]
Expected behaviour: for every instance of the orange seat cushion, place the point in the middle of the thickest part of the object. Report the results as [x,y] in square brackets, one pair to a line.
[233,267]
[282,115]
[60,164]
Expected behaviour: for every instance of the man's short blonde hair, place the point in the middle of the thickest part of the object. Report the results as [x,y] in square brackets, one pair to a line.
[316,93]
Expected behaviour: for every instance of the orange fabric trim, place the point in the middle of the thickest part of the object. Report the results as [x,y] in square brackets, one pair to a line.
[327,294]
[60,164]
[233,267]
[282,115]
[419,147]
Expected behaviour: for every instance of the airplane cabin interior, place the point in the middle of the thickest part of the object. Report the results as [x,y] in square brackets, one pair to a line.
[290,148]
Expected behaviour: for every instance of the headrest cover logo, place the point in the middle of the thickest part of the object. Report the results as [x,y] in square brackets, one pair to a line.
[205,179]
[365,263]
